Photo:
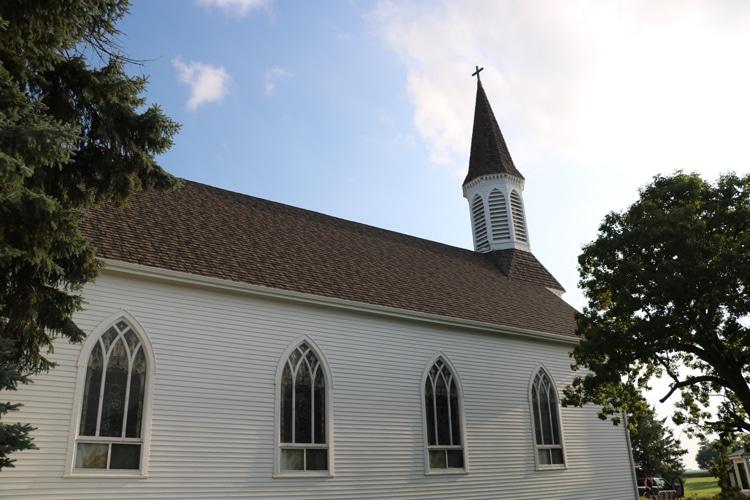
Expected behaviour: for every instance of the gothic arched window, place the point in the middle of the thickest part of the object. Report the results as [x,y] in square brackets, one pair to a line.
[443,418]
[110,433]
[480,225]
[546,420]
[303,415]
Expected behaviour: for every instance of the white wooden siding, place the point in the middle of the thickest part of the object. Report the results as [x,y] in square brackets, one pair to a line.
[213,408]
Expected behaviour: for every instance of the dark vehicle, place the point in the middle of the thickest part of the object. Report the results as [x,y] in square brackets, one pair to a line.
[661,489]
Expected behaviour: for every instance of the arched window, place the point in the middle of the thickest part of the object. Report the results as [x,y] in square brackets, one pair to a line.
[303,413]
[480,225]
[498,216]
[110,433]
[519,222]
[546,420]
[443,418]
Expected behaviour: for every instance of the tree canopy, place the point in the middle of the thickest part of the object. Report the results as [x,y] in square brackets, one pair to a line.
[707,453]
[710,452]
[74,131]
[668,289]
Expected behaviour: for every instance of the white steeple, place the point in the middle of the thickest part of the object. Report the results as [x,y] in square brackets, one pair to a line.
[493,186]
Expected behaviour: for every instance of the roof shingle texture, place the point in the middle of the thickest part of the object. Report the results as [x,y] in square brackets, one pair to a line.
[489,153]
[208,231]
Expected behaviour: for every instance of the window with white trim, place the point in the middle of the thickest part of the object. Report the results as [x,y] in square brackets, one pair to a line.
[442,400]
[546,421]
[303,444]
[110,434]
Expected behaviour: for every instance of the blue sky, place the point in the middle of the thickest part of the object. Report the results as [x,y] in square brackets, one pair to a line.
[363,109]
[335,133]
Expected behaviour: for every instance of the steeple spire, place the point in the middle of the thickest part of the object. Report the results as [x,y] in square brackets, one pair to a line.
[494,186]
[489,153]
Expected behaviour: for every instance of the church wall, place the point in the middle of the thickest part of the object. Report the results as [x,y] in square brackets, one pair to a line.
[213,406]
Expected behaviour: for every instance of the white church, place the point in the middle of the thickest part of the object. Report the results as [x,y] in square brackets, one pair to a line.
[241,348]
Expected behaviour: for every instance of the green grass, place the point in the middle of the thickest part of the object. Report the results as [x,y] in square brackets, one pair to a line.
[701,487]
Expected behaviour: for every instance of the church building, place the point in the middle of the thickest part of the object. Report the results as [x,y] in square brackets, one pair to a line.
[242,348]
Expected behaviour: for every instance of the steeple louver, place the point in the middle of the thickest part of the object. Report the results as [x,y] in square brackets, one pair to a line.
[499,216]
[480,226]
[519,221]
[493,185]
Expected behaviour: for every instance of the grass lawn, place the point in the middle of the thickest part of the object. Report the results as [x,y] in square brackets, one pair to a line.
[700,487]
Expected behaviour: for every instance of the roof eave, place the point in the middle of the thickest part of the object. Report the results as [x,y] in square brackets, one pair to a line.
[161,274]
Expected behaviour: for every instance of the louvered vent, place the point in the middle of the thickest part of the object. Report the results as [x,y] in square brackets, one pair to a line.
[480,226]
[519,224]
[498,216]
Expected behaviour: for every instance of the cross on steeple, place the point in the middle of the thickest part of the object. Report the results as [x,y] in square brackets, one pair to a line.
[476,73]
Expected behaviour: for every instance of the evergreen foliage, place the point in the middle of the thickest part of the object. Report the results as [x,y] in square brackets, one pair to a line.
[74,131]
[668,289]
[14,436]
[655,449]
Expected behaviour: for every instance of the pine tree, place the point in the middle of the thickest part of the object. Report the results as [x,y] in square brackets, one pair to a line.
[655,449]
[73,133]
[15,436]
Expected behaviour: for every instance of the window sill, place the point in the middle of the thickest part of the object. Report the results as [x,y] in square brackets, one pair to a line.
[446,472]
[551,467]
[297,475]
[104,475]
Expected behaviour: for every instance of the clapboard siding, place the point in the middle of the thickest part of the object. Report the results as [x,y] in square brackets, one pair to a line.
[213,406]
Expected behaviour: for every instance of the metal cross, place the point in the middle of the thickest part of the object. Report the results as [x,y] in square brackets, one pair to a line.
[476,73]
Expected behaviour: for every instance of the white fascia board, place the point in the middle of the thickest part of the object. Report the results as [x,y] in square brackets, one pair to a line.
[128,268]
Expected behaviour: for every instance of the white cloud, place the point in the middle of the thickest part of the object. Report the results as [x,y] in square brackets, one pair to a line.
[272,78]
[207,83]
[235,7]
[633,86]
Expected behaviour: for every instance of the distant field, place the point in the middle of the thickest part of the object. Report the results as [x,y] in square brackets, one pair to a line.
[696,473]
[700,487]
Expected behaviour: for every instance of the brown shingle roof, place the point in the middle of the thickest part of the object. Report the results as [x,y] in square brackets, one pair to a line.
[208,231]
[520,265]
[489,153]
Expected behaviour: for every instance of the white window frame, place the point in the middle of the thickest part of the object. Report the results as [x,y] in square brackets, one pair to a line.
[75,421]
[536,447]
[277,444]
[738,462]
[428,471]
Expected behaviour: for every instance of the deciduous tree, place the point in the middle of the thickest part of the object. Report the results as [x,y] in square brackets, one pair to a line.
[668,289]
